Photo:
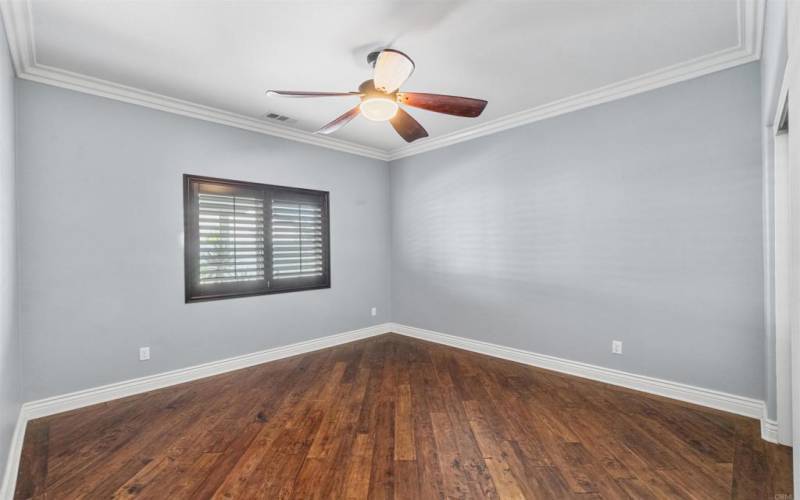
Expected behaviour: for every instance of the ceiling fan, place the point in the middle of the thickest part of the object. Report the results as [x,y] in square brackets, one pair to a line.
[380,99]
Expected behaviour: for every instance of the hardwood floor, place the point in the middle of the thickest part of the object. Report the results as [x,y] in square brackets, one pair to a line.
[394,417]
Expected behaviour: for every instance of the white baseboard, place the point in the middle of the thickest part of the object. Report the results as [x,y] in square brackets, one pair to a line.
[697,395]
[769,431]
[88,397]
[79,399]
[14,454]
[739,405]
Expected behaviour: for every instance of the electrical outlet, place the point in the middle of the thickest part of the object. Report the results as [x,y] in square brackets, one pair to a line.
[374,311]
[144,353]
[616,347]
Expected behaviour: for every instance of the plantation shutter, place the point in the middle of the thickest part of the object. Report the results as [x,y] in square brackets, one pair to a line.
[299,239]
[231,238]
[252,239]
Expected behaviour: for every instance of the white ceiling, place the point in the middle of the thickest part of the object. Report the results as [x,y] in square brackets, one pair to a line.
[518,55]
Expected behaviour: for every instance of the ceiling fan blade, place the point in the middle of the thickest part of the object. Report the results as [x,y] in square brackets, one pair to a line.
[294,93]
[339,122]
[448,104]
[392,69]
[408,128]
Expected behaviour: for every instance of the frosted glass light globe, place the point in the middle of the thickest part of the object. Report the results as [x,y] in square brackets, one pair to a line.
[378,109]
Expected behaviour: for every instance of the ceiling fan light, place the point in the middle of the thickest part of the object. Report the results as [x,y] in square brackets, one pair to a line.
[378,109]
[392,69]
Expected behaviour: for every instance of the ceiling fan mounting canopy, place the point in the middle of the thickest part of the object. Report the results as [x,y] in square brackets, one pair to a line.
[380,99]
[372,57]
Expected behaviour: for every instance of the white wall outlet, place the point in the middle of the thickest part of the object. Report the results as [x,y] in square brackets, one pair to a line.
[616,347]
[374,311]
[144,353]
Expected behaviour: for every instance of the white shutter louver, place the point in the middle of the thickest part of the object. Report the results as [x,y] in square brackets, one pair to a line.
[231,237]
[297,239]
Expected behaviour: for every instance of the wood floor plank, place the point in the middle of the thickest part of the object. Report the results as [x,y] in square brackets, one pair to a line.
[503,477]
[382,471]
[403,426]
[34,460]
[358,470]
[395,417]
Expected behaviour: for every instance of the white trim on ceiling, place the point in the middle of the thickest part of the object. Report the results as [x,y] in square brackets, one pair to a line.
[89,85]
[751,24]
[18,20]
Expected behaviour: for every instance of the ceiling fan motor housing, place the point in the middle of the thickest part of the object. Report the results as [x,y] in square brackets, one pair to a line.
[368,90]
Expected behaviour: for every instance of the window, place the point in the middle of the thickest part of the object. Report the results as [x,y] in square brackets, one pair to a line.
[243,238]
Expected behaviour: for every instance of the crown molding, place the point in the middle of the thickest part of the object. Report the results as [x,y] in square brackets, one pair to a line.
[750,16]
[18,22]
[73,81]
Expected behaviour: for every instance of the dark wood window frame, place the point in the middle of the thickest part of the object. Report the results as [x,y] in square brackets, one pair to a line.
[271,197]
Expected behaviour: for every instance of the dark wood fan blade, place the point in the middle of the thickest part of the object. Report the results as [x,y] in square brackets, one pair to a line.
[448,104]
[339,122]
[408,128]
[293,93]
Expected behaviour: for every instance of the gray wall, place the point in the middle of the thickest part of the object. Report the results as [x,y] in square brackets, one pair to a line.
[101,216]
[10,366]
[637,220]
